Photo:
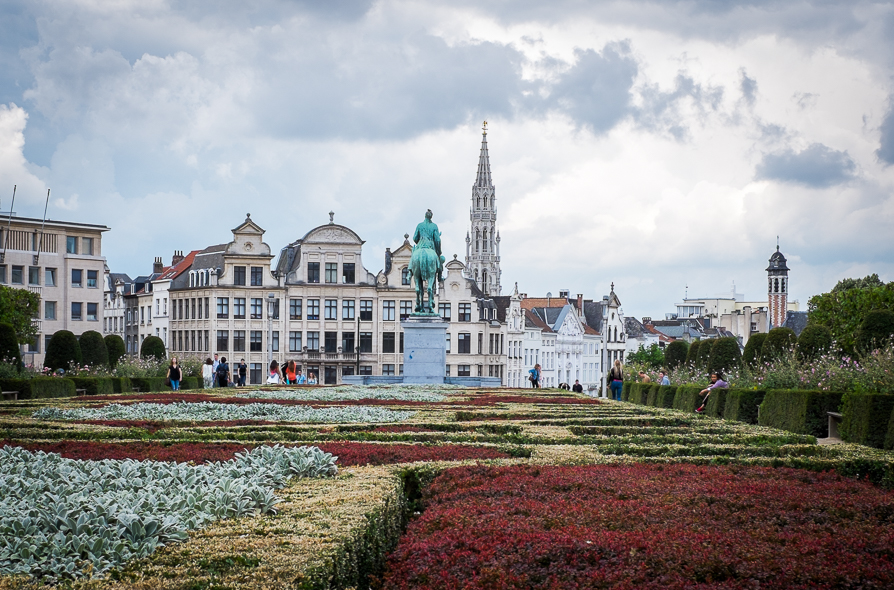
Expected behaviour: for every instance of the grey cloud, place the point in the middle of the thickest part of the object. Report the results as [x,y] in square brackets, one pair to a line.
[885,151]
[660,110]
[817,166]
[748,86]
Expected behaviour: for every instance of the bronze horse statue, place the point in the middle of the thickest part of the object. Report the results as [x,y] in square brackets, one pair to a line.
[426,264]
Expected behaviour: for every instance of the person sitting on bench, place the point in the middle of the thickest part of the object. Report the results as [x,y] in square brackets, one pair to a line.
[717,382]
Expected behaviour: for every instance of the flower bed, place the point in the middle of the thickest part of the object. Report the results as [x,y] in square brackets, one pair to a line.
[212,411]
[347,453]
[64,518]
[409,393]
[646,526]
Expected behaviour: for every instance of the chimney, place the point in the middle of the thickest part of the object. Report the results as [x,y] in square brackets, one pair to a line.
[647,321]
[157,266]
[580,304]
[177,258]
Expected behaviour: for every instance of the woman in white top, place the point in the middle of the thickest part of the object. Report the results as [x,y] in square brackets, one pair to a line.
[311,378]
[273,377]
[208,373]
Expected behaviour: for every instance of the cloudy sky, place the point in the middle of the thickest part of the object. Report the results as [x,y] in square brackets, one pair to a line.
[652,144]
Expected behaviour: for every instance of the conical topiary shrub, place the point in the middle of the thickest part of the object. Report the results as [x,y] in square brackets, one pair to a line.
[778,342]
[675,354]
[9,346]
[704,353]
[692,354]
[93,349]
[814,341]
[153,346]
[115,348]
[753,348]
[725,356]
[63,351]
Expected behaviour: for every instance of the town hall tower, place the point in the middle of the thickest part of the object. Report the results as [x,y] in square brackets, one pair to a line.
[483,239]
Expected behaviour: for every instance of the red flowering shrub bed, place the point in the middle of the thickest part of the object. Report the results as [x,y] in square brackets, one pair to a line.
[646,526]
[155,426]
[399,429]
[349,453]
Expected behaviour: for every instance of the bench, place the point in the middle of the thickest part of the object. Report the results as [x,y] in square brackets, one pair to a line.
[81,391]
[834,421]
[10,395]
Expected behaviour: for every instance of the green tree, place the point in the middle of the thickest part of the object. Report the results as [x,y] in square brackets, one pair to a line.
[779,340]
[675,354]
[753,349]
[876,330]
[63,351]
[704,353]
[93,349]
[842,309]
[115,348]
[725,355]
[652,356]
[692,355]
[153,346]
[814,341]
[19,307]
[9,346]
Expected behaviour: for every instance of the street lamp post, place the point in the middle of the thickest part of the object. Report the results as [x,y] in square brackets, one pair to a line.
[270,303]
[602,359]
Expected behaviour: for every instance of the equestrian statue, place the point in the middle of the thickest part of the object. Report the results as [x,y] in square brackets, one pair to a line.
[426,265]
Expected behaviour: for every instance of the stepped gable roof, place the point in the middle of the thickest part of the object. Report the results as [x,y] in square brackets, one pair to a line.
[796,320]
[532,320]
[777,261]
[172,272]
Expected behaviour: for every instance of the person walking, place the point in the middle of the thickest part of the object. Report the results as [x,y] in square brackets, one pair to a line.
[223,373]
[175,374]
[616,378]
[717,382]
[535,376]
[243,372]
[662,378]
[208,373]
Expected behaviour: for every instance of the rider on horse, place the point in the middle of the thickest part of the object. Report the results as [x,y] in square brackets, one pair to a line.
[426,264]
[428,236]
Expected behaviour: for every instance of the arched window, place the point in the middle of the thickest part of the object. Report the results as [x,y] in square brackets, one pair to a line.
[484,279]
[776,285]
[477,241]
[783,285]
[485,202]
[484,241]
[405,276]
[479,202]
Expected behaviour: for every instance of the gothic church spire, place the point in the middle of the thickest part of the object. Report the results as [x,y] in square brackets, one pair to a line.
[483,239]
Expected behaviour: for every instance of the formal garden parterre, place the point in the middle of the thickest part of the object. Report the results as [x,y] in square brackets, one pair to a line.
[415,458]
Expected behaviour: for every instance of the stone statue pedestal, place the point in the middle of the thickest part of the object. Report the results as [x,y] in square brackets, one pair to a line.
[425,349]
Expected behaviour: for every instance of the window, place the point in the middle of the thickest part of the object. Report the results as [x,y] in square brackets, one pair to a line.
[77,276]
[49,310]
[387,311]
[465,312]
[366,342]
[448,341]
[91,278]
[76,310]
[3,274]
[256,341]
[401,348]
[92,311]
[313,341]
[294,309]
[347,309]
[347,371]
[313,309]
[223,337]
[257,308]
[331,341]
[193,303]
[406,309]
[18,276]
[238,340]
[480,345]
[405,276]
[192,337]
[313,272]
[33,275]
[331,272]
[223,307]
[444,311]
[87,244]
[254,372]
[294,341]
[207,307]
[180,309]
[388,342]
[347,341]
[49,277]
[464,343]
[142,314]
[274,315]
[366,370]
[257,276]
[274,343]
[447,371]
[331,309]
[71,245]
[464,371]
[239,275]
[366,310]
[347,273]
[387,369]
[207,343]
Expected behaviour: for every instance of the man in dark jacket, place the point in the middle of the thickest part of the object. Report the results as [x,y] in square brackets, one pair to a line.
[577,387]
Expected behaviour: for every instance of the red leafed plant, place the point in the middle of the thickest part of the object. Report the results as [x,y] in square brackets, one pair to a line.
[646,526]
[349,453]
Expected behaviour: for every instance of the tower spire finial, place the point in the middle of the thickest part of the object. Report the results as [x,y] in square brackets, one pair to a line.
[484,128]
[777,243]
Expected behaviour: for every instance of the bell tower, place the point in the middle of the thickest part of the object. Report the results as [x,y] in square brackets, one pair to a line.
[777,288]
[483,239]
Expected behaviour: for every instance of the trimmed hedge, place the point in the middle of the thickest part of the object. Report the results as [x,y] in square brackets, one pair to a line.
[687,398]
[716,402]
[800,411]
[121,384]
[889,440]
[636,393]
[652,395]
[692,353]
[95,385]
[866,418]
[40,387]
[192,383]
[665,396]
[675,354]
[625,391]
[742,404]
[753,349]
[147,384]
